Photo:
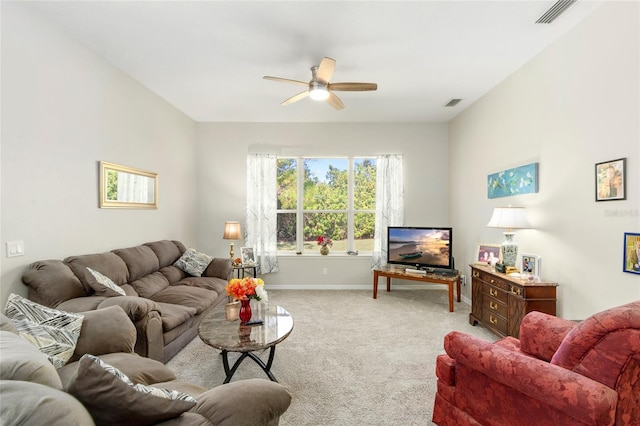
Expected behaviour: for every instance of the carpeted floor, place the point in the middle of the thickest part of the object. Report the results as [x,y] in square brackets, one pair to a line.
[350,359]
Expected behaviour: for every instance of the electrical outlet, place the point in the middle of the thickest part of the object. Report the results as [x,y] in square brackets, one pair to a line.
[15,248]
[324,271]
[464,279]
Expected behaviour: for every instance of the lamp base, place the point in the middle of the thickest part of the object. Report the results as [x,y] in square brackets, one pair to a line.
[231,253]
[509,250]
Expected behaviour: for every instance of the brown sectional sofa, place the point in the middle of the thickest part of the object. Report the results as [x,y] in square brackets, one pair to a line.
[165,303]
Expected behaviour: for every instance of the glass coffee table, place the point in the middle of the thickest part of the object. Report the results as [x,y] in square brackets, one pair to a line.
[230,336]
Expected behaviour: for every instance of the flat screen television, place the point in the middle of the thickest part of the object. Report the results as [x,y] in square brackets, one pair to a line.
[422,247]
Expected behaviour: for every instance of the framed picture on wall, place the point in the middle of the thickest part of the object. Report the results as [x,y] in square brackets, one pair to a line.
[631,253]
[531,264]
[487,254]
[611,180]
[248,257]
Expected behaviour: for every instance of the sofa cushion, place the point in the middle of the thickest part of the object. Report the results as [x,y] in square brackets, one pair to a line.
[174,315]
[173,274]
[25,403]
[53,332]
[81,304]
[150,284]
[109,264]
[166,251]
[138,369]
[22,361]
[210,283]
[194,297]
[103,285]
[140,260]
[105,331]
[193,262]
[51,282]
[111,397]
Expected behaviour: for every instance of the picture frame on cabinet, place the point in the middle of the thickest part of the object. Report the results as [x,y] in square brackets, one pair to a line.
[631,263]
[487,254]
[531,264]
[611,180]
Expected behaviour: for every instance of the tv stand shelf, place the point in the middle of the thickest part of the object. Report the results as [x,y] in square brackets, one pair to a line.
[429,278]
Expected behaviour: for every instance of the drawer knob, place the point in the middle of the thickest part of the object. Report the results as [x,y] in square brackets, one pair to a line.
[492,281]
[493,320]
[493,292]
[517,291]
[476,274]
[493,306]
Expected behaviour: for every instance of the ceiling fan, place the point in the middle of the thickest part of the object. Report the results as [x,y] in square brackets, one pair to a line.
[319,88]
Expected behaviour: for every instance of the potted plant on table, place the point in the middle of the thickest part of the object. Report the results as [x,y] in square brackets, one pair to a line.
[244,290]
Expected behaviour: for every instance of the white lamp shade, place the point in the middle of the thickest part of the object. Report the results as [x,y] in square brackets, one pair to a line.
[509,217]
[231,231]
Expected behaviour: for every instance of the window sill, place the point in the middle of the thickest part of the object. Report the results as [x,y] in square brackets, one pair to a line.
[308,255]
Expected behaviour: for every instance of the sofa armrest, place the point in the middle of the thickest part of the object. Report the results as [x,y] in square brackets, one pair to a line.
[136,307]
[563,390]
[219,268]
[226,405]
[541,334]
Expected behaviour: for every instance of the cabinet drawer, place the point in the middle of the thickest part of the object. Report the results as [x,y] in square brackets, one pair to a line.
[494,320]
[495,307]
[495,293]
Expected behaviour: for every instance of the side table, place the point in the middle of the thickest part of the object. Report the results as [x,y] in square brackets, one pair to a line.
[241,270]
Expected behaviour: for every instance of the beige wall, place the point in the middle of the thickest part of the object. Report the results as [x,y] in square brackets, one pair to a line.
[222,180]
[574,105]
[64,110]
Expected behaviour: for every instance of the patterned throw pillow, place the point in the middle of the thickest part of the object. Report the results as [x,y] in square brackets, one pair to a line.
[55,333]
[103,285]
[193,262]
[112,398]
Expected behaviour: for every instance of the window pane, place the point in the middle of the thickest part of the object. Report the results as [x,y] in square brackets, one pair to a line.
[332,225]
[287,231]
[287,184]
[364,224]
[364,174]
[325,184]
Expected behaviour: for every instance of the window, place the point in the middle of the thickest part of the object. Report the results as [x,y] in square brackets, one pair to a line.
[334,197]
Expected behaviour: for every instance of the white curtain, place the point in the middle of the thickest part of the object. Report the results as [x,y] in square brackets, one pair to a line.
[389,204]
[261,229]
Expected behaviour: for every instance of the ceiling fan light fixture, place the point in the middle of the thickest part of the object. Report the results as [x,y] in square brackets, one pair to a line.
[318,91]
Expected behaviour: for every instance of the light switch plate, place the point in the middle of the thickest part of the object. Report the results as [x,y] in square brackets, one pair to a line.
[15,248]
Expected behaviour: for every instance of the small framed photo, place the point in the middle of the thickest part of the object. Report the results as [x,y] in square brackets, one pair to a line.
[631,253]
[611,180]
[248,257]
[487,254]
[531,264]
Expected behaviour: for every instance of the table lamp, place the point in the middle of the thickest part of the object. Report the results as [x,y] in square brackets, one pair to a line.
[231,232]
[510,218]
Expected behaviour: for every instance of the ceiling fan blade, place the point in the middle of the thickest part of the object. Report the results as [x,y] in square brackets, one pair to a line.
[335,101]
[325,70]
[353,87]
[296,98]
[286,80]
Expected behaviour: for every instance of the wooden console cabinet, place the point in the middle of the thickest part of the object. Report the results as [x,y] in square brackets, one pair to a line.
[499,302]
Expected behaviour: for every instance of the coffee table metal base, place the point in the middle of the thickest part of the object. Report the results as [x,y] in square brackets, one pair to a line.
[265,367]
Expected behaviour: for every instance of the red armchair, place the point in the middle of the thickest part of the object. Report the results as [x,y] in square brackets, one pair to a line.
[558,373]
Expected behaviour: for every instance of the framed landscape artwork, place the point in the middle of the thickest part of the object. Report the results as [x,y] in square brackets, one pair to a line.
[631,253]
[487,254]
[611,180]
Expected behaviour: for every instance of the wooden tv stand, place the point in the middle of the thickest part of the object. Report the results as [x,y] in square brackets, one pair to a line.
[399,273]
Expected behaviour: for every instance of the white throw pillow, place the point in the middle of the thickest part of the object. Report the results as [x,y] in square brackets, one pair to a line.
[193,262]
[103,285]
[55,333]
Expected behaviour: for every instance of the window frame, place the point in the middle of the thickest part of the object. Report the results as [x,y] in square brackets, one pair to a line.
[349,211]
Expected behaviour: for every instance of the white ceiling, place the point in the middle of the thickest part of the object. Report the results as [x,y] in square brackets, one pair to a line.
[207,58]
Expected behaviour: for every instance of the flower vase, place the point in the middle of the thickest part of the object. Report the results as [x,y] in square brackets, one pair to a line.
[245,311]
[324,250]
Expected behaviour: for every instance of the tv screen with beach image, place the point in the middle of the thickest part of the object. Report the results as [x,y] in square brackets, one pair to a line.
[428,247]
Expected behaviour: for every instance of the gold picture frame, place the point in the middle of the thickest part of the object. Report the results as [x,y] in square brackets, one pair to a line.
[123,187]
[486,253]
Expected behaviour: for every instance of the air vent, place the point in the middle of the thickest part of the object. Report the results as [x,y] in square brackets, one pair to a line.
[453,102]
[556,10]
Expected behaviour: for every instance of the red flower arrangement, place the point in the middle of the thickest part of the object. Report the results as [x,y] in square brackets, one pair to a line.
[246,288]
[325,241]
